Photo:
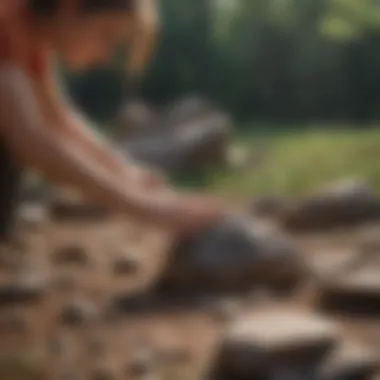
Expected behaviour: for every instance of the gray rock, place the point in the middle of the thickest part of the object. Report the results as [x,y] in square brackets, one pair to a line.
[190,147]
[236,254]
[288,338]
[344,203]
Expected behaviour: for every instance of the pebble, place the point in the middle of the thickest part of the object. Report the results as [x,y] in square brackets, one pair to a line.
[72,254]
[126,265]
[79,312]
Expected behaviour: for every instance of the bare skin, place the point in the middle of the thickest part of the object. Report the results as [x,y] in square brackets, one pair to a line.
[44,132]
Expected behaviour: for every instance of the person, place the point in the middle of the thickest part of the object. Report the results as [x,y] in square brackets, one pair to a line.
[41,130]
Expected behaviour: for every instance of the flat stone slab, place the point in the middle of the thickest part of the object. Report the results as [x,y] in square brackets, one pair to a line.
[355,291]
[282,336]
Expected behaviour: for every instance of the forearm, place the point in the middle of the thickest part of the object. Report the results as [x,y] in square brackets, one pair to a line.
[35,145]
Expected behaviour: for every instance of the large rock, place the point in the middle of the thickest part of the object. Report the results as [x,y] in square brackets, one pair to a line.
[288,338]
[186,109]
[191,146]
[344,203]
[236,254]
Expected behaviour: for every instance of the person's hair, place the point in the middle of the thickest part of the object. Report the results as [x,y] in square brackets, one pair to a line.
[50,6]
[144,14]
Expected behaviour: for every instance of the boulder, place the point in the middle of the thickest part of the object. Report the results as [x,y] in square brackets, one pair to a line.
[236,254]
[342,204]
[289,338]
[191,146]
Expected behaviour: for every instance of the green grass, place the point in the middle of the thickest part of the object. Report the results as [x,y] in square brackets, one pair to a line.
[298,161]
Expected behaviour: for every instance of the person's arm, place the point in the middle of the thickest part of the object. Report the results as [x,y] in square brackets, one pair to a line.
[36,145]
[71,124]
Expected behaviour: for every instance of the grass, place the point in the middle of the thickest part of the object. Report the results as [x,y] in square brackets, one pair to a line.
[296,162]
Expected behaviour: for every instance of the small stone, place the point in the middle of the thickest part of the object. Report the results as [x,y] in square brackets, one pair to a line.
[71,254]
[78,312]
[125,265]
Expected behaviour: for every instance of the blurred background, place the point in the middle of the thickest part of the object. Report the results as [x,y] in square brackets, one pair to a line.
[299,79]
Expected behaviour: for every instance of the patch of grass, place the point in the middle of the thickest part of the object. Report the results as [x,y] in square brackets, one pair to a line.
[298,161]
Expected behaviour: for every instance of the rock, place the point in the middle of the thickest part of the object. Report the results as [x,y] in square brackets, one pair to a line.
[235,254]
[190,147]
[24,290]
[79,312]
[71,254]
[355,291]
[125,265]
[350,361]
[288,338]
[185,109]
[342,204]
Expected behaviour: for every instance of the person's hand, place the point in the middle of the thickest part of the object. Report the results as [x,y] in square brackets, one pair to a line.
[151,179]
[192,214]
[146,178]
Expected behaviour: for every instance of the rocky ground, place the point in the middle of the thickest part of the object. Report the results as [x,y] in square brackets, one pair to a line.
[95,298]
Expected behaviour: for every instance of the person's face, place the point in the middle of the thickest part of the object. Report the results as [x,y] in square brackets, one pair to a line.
[86,40]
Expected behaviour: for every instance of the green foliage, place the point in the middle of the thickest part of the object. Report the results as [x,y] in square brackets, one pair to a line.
[299,160]
[273,60]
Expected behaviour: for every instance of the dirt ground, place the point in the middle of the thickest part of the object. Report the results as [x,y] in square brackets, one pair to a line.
[148,340]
